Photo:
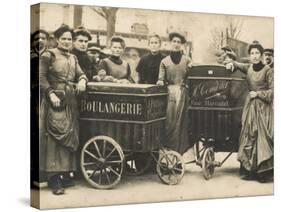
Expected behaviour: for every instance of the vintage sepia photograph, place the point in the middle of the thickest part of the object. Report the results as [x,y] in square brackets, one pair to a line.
[141,106]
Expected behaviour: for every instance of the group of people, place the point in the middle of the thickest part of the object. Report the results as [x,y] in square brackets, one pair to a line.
[64,71]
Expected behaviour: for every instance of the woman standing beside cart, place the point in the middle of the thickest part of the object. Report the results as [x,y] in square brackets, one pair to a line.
[173,73]
[256,138]
[59,70]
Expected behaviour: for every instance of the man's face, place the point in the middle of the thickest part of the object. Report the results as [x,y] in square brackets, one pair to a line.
[40,41]
[268,58]
[81,43]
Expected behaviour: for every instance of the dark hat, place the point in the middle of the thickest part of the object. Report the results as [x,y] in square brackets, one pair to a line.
[118,39]
[269,51]
[257,45]
[82,31]
[38,32]
[227,48]
[178,35]
[231,54]
[62,29]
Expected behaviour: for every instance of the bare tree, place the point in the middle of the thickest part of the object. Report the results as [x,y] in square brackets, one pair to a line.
[230,29]
[109,14]
[234,27]
[217,38]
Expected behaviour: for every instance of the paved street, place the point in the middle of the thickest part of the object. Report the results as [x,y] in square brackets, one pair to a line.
[149,188]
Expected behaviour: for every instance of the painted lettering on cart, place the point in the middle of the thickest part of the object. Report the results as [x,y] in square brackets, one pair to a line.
[111,107]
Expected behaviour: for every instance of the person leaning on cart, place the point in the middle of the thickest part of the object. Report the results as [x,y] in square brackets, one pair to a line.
[113,68]
[256,138]
[59,71]
[173,72]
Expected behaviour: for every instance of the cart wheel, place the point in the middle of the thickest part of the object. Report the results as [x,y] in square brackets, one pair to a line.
[102,162]
[170,167]
[137,164]
[208,160]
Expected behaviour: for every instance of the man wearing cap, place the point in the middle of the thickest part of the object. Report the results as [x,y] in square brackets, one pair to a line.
[228,55]
[81,38]
[268,56]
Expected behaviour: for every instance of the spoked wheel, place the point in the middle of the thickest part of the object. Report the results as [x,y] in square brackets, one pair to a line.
[137,163]
[170,167]
[208,163]
[102,162]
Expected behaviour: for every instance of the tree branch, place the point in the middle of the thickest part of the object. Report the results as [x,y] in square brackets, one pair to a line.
[100,12]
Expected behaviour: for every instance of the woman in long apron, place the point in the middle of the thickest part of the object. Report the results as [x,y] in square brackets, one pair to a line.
[59,71]
[173,72]
[256,138]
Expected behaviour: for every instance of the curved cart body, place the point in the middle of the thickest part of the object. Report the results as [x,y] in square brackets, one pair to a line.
[217,99]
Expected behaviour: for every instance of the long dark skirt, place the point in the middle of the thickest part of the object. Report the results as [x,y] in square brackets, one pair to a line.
[256,138]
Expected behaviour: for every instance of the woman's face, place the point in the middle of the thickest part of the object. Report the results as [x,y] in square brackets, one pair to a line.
[176,44]
[81,43]
[154,44]
[116,49]
[65,41]
[255,56]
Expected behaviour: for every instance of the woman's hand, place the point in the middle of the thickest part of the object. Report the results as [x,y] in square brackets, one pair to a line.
[102,74]
[253,94]
[161,83]
[96,78]
[81,86]
[54,100]
[229,66]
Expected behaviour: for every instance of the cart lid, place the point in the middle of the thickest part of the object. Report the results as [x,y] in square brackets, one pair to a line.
[125,88]
[214,71]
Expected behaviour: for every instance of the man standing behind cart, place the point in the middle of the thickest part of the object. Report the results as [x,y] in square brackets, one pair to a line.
[173,73]
[148,67]
[81,38]
[268,56]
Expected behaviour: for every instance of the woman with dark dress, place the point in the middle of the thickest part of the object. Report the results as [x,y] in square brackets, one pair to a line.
[173,72]
[81,39]
[256,138]
[114,66]
[59,72]
[148,67]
